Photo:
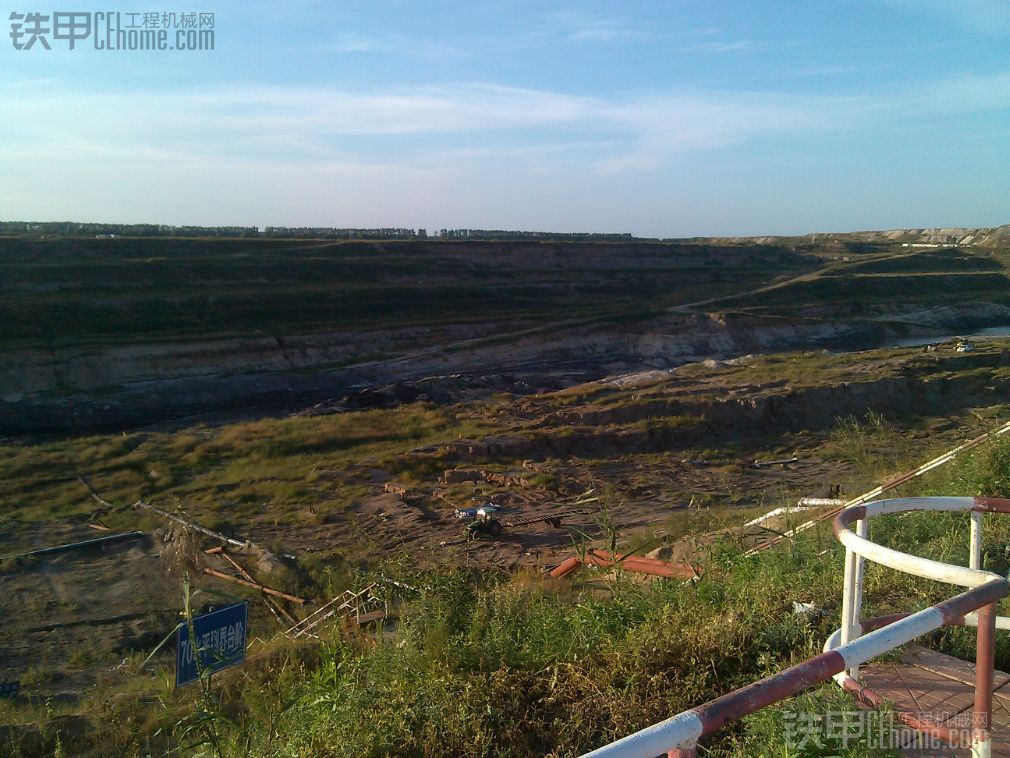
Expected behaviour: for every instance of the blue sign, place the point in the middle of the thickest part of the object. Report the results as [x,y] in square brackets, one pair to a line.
[220,642]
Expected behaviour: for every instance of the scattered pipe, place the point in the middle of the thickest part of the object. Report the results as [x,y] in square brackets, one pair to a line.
[110,540]
[274,607]
[818,502]
[782,462]
[567,566]
[190,525]
[636,563]
[237,566]
[254,585]
[640,565]
[171,516]
[784,510]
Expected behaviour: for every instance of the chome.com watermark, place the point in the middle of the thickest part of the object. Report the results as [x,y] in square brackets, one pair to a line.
[32,30]
[875,730]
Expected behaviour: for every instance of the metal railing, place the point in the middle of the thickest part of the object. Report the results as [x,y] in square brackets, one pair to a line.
[857,642]
[347,603]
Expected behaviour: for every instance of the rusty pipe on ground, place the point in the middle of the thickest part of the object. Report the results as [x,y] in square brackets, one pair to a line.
[641,565]
[636,563]
[254,585]
[567,566]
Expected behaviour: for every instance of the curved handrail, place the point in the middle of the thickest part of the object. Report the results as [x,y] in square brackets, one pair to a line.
[903,562]
[859,641]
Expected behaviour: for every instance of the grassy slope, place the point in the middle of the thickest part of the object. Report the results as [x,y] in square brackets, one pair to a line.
[523,666]
[226,475]
[267,470]
[484,664]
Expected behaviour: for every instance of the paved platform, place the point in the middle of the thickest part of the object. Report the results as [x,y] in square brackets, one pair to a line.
[938,689]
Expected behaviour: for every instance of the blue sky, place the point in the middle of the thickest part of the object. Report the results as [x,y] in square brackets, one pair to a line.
[677,118]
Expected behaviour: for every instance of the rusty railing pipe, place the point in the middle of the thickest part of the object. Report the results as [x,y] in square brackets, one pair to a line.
[985,653]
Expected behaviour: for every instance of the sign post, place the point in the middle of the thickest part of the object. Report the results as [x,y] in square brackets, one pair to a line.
[220,642]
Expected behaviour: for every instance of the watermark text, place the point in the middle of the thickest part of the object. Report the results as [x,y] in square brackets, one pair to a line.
[875,730]
[112,31]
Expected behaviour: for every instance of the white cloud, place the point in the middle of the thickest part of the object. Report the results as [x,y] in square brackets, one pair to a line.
[399,44]
[580,27]
[601,33]
[727,46]
[433,136]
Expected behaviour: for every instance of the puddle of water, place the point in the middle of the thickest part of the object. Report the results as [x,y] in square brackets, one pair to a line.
[992,331]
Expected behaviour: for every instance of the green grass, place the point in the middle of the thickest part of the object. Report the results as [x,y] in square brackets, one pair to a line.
[871,443]
[521,665]
[488,664]
[220,473]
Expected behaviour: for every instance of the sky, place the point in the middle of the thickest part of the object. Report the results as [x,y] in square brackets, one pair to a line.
[669,119]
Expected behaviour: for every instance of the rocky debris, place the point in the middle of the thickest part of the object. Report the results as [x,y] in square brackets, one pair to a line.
[458,476]
[505,480]
[636,380]
[389,396]
[265,562]
[325,408]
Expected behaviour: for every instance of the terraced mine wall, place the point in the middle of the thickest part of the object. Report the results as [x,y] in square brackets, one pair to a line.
[134,385]
[110,334]
[660,425]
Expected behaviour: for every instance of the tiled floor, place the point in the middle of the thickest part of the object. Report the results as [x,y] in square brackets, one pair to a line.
[939,689]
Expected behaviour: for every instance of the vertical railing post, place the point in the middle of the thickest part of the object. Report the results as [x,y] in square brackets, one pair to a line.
[852,593]
[862,530]
[975,550]
[848,581]
[981,720]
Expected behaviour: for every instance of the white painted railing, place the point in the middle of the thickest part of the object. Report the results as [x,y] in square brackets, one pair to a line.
[857,641]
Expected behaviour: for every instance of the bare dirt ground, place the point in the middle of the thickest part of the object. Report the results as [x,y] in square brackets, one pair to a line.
[653,501]
[103,605]
[653,480]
